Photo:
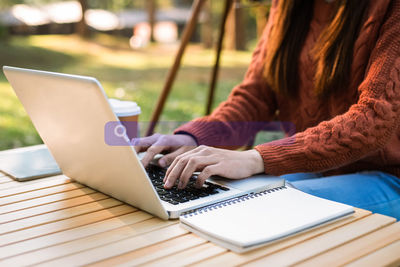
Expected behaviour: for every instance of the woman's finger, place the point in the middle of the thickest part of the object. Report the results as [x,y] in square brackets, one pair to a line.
[169,158]
[190,153]
[207,172]
[194,164]
[142,144]
[155,149]
[174,171]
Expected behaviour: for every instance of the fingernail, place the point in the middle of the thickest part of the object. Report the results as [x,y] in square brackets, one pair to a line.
[180,186]
[162,163]
[167,184]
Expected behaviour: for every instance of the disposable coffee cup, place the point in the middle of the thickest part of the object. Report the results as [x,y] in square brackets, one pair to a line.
[128,113]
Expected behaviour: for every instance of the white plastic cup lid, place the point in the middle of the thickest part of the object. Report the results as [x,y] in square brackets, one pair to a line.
[124,108]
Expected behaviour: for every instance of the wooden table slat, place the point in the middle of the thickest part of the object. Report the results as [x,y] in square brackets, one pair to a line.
[34,185]
[323,243]
[63,225]
[39,193]
[39,201]
[47,208]
[53,239]
[132,243]
[357,248]
[188,256]
[153,252]
[5,179]
[15,184]
[57,215]
[143,224]
[292,241]
[387,256]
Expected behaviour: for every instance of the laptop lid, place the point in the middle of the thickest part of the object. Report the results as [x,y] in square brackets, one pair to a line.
[70,113]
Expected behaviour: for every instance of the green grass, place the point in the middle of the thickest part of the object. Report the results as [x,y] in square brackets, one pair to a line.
[124,73]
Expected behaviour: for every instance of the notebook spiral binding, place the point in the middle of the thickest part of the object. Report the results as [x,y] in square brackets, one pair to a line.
[231,201]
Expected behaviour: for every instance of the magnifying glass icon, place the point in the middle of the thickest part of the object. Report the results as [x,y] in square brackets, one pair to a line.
[120,131]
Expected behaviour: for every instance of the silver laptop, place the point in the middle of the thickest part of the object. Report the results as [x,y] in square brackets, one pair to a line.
[70,113]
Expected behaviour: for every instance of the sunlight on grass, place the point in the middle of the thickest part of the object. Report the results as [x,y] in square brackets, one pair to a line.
[124,73]
[16,128]
[122,56]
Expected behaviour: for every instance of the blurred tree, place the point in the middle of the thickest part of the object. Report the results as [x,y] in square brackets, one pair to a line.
[207,27]
[235,28]
[151,7]
[82,28]
[262,12]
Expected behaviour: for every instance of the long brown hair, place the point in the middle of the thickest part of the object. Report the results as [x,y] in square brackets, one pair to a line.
[333,51]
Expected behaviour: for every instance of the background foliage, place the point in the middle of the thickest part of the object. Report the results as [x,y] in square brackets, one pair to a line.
[126,74]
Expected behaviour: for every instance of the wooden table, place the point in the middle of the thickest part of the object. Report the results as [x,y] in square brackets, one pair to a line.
[56,221]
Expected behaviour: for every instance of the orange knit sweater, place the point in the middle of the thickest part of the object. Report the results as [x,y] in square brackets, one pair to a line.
[354,131]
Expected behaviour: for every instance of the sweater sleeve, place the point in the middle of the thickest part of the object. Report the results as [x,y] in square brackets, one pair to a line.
[234,122]
[365,128]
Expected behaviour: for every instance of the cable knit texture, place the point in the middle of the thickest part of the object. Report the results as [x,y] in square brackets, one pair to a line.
[354,130]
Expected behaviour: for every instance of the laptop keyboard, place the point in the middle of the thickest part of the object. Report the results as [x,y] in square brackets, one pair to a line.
[175,195]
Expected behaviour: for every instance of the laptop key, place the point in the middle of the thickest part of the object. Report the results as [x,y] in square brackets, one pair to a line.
[175,195]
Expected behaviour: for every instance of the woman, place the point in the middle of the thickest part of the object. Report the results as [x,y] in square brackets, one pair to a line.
[332,68]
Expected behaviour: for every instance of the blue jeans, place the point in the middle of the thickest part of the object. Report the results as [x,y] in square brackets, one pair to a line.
[375,191]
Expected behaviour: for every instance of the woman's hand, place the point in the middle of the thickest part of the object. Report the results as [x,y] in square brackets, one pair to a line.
[157,143]
[213,161]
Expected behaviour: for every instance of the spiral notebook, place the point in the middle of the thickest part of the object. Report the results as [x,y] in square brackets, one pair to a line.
[255,220]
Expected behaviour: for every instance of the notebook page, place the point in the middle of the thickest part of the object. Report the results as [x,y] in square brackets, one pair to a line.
[266,217]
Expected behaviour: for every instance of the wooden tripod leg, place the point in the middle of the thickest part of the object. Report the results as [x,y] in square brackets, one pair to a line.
[187,33]
[228,6]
